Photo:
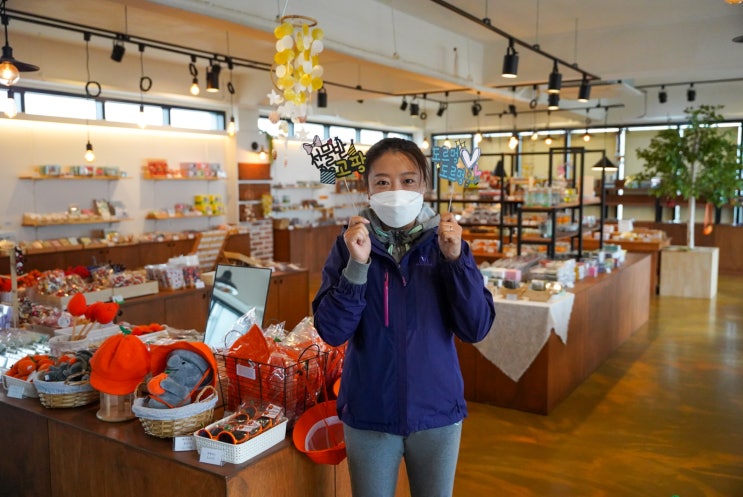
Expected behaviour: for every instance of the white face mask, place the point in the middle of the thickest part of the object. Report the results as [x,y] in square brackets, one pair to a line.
[396,208]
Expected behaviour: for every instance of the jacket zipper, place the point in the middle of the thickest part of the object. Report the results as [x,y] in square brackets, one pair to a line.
[387,299]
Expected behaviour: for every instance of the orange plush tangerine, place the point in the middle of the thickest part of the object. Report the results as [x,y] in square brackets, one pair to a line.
[105,313]
[91,310]
[77,305]
[25,366]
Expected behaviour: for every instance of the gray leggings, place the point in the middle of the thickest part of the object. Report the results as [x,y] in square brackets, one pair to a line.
[430,459]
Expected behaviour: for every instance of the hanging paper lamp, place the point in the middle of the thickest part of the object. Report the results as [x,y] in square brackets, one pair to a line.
[297,71]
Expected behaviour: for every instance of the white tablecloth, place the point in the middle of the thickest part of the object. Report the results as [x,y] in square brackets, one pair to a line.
[520,330]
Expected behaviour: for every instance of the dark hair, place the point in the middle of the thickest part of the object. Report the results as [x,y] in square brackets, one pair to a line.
[406,147]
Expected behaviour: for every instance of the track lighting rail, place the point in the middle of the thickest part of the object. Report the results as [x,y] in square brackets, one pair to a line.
[514,40]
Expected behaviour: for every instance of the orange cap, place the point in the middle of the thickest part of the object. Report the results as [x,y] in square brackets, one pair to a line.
[120,364]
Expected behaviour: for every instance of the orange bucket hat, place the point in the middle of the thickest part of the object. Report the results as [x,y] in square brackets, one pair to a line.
[120,364]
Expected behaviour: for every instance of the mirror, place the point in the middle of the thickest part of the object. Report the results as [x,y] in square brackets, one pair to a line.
[236,290]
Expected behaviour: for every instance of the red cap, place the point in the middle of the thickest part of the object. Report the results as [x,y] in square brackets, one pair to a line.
[120,364]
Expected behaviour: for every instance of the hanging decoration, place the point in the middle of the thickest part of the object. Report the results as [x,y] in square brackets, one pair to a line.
[296,71]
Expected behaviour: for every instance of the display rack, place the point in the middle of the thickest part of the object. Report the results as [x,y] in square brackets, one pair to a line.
[514,204]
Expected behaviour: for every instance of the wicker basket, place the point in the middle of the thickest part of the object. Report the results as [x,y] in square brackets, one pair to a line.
[29,390]
[168,423]
[537,295]
[63,394]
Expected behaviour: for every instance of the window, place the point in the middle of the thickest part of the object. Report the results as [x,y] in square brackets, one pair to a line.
[53,105]
[125,112]
[343,133]
[312,130]
[196,119]
[371,136]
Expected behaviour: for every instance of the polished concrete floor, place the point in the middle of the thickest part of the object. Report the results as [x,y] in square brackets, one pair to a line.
[662,417]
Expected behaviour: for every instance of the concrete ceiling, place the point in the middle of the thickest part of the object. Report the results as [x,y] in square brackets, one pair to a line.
[422,47]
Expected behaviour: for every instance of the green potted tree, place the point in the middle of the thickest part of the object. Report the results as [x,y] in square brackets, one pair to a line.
[698,161]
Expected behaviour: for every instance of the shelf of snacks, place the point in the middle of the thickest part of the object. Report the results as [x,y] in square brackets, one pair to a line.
[54,172]
[162,215]
[158,169]
[73,178]
[57,219]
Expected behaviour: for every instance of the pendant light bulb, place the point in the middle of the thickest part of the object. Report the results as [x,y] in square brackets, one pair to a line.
[194,89]
[534,135]
[587,137]
[425,145]
[9,74]
[231,127]
[447,143]
[10,109]
[548,140]
[89,155]
[142,118]
[513,142]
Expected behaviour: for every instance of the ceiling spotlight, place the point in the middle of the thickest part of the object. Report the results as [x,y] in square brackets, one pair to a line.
[555,80]
[118,51]
[584,92]
[414,109]
[476,108]
[662,95]
[442,108]
[553,101]
[404,104]
[691,93]
[10,68]
[510,62]
[322,97]
[212,77]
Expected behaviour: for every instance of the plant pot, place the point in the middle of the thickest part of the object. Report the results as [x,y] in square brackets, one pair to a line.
[688,272]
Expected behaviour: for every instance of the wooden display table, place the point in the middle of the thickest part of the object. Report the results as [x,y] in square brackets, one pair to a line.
[653,248]
[66,452]
[605,312]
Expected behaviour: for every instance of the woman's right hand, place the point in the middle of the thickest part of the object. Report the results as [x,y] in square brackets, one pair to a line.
[357,239]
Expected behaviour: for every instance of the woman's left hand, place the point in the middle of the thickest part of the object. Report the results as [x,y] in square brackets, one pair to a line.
[450,236]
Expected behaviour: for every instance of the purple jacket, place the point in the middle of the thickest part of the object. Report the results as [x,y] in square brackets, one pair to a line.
[401,372]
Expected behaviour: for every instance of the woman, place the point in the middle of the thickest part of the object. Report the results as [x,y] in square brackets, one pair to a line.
[399,285]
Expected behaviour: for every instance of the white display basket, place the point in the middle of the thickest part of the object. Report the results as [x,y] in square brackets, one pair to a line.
[242,452]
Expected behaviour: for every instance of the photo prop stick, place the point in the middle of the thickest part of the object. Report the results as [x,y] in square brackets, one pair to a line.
[447,162]
[335,161]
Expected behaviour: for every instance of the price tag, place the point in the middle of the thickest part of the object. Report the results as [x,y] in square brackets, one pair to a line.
[183,444]
[15,391]
[512,296]
[200,284]
[119,299]
[245,371]
[211,456]
[64,320]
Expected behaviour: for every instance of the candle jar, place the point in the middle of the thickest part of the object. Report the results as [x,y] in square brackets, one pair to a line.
[115,408]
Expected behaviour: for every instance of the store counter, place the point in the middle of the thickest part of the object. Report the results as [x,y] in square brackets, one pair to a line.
[66,452]
[606,310]
[520,330]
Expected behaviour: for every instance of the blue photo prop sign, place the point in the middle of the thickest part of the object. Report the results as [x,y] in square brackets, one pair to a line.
[447,161]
